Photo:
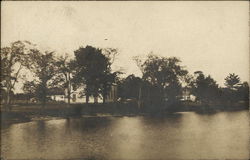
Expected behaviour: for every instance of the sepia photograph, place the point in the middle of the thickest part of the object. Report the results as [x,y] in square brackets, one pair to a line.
[124,80]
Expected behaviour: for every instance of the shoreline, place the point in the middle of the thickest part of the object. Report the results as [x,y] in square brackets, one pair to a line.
[25,113]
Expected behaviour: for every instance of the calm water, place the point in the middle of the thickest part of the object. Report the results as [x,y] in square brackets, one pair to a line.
[181,136]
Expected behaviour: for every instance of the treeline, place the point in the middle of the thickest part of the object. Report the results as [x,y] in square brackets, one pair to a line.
[90,70]
[165,85]
[162,85]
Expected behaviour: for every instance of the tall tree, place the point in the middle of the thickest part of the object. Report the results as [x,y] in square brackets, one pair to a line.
[165,74]
[91,66]
[66,70]
[129,87]
[44,68]
[205,88]
[243,93]
[108,77]
[230,94]
[13,60]
[106,81]
[232,81]
[29,88]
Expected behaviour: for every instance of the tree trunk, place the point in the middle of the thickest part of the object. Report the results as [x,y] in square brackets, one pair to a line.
[27,100]
[68,99]
[69,89]
[8,97]
[68,96]
[95,99]
[44,101]
[8,90]
[87,99]
[44,95]
[104,93]
[104,99]
[139,98]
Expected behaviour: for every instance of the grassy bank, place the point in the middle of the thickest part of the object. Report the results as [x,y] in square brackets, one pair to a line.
[25,112]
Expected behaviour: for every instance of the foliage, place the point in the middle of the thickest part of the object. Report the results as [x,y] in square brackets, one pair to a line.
[128,88]
[66,71]
[161,85]
[29,88]
[44,68]
[243,93]
[94,71]
[205,88]
[164,75]
[13,60]
[232,81]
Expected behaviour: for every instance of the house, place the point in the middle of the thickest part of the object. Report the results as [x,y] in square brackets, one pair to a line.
[21,98]
[186,95]
[112,95]
[57,94]
[60,95]
[77,97]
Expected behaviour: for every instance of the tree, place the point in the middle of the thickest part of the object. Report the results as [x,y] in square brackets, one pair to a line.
[44,68]
[232,81]
[233,91]
[66,70]
[165,75]
[94,70]
[29,88]
[13,60]
[91,66]
[205,88]
[129,87]
[108,78]
[161,82]
[243,93]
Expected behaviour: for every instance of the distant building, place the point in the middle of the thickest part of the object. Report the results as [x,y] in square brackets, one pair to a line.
[112,95]
[57,94]
[21,98]
[187,96]
[60,95]
[76,97]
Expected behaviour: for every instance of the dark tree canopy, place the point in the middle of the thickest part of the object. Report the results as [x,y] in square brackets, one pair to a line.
[66,71]
[94,71]
[164,80]
[44,68]
[165,74]
[129,87]
[205,88]
[13,59]
[232,81]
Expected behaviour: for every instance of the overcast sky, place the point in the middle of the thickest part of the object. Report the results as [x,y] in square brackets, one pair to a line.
[209,36]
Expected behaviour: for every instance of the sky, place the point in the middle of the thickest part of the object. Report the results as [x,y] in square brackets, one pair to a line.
[209,36]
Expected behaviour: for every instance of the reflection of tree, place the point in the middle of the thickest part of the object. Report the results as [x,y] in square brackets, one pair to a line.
[89,123]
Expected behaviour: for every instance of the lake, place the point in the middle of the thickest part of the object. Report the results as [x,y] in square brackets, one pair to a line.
[184,135]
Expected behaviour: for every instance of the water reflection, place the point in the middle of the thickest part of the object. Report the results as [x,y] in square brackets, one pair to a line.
[181,136]
[127,138]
